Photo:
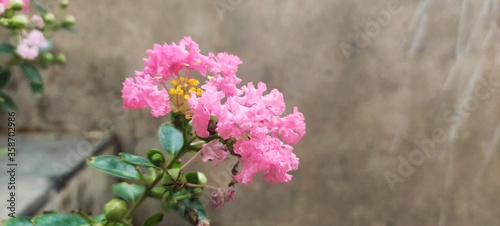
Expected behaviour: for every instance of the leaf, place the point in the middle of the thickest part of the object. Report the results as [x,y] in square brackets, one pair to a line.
[192,210]
[18,221]
[60,219]
[129,192]
[136,160]
[170,138]
[36,88]
[6,102]
[39,7]
[7,48]
[114,166]
[31,73]
[4,78]
[154,220]
[99,218]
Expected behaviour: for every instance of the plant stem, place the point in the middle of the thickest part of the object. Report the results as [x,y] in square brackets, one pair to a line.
[143,196]
[190,160]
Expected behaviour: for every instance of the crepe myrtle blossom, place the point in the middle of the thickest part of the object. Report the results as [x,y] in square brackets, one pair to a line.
[253,119]
[247,117]
[28,47]
[221,196]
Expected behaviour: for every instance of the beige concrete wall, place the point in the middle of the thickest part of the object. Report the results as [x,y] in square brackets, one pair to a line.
[363,109]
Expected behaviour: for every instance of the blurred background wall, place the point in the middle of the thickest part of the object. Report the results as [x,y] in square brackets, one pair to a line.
[401,100]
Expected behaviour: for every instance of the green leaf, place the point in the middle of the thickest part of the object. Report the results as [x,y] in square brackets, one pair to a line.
[6,102]
[170,138]
[31,73]
[99,218]
[114,166]
[192,210]
[154,220]
[7,48]
[60,219]
[18,221]
[129,192]
[39,7]
[36,88]
[4,78]
[136,160]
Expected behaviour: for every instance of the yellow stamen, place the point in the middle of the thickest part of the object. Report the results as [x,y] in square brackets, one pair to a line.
[193,82]
[186,96]
[174,82]
[172,91]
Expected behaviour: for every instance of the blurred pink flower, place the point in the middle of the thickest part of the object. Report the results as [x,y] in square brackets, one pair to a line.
[28,48]
[144,93]
[37,21]
[6,3]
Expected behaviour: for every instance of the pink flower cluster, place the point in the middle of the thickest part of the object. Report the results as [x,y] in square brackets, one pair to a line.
[28,48]
[254,120]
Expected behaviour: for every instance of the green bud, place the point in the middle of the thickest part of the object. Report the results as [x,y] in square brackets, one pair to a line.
[19,20]
[69,20]
[98,224]
[156,157]
[157,192]
[16,4]
[60,58]
[171,178]
[115,210]
[64,4]
[49,18]
[198,192]
[196,178]
[48,57]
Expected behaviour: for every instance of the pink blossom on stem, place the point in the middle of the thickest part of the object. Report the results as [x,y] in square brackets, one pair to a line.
[144,93]
[214,151]
[28,48]
[37,21]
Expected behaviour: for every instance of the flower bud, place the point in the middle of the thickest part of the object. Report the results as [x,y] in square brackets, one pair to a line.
[16,4]
[170,178]
[19,20]
[49,18]
[69,21]
[64,4]
[156,157]
[48,57]
[60,58]
[198,192]
[196,178]
[115,210]
[157,192]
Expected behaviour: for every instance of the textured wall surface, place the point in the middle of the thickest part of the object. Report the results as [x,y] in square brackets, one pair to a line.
[401,100]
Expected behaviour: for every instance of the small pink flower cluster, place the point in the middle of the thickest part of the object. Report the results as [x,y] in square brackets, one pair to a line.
[28,47]
[247,116]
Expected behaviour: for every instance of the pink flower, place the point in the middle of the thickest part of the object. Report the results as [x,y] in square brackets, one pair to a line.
[221,196]
[144,93]
[28,48]
[267,154]
[168,60]
[37,21]
[214,151]
[254,120]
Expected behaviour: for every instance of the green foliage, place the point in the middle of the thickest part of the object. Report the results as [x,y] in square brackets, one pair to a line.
[114,166]
[129,192]
[18,221]
[171,139]
[136,160]
[154,220]
[6,102]
[5,75]
[59,219]
[7,49]
[33,76]
[192,210]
